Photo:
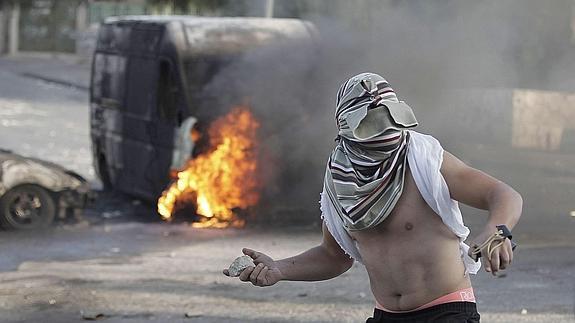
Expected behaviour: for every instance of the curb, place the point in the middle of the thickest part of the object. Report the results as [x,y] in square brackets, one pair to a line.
[55,81]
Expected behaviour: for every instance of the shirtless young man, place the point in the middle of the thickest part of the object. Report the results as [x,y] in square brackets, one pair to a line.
[389,201]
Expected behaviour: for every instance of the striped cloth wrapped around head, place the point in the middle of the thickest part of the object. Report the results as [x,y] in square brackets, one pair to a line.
[365,172]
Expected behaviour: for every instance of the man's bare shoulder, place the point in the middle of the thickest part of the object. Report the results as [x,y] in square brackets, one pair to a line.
[466,184]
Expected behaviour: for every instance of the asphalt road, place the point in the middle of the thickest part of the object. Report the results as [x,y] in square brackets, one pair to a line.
[119,261]
[132,271]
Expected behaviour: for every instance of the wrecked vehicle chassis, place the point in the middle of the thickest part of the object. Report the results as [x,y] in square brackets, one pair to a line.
[33,192]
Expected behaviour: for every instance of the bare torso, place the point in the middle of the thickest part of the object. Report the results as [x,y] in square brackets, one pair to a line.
[412,257]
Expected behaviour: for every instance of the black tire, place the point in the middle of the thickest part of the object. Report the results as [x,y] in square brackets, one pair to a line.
[27,207]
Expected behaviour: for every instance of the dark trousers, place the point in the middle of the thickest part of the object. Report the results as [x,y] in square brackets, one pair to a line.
[455,312]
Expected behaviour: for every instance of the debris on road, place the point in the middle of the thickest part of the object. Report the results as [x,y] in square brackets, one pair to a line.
[191,315]
[92,316]
[112,214]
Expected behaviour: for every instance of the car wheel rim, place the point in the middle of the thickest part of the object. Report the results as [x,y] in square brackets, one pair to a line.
[26,209]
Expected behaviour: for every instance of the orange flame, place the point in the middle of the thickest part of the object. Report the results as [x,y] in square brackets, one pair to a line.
[222,179]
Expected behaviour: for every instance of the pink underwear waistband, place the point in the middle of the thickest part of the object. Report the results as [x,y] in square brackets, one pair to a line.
[462,295]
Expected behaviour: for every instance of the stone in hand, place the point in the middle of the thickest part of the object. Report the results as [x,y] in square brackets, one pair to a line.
[239,265]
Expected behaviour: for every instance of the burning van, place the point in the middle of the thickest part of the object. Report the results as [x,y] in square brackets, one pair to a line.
[146,99]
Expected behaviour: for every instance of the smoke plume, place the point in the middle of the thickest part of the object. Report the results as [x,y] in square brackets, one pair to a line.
[426,50]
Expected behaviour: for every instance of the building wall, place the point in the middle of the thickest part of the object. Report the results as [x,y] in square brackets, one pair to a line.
[524,119]
[542,119]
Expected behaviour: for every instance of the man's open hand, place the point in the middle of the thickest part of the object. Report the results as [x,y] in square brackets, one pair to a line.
[265,273]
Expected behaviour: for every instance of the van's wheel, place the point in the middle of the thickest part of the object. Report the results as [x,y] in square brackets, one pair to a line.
[27,207]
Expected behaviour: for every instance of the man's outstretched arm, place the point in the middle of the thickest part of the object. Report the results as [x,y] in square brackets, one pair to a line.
[477,189]
[319,263]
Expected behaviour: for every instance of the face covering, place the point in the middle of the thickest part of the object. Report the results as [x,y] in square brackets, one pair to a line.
[365,172]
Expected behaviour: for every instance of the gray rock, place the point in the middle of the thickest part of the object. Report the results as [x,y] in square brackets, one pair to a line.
[239,265]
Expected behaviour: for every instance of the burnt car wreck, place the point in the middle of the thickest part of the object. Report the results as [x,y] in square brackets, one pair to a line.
[34,192]
[146,96]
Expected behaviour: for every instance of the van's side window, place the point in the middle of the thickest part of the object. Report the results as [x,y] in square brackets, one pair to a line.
[108,80]
[167,92]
